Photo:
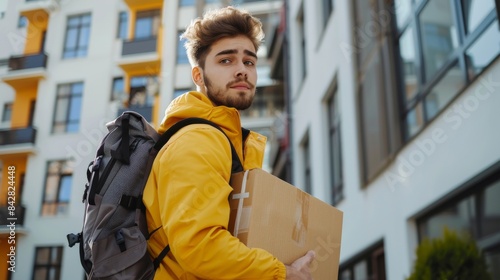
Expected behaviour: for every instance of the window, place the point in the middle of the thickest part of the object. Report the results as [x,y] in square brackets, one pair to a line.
[475,212]
[22,22]
[370,264]
[327,8]
[440,51]
[147,24]
[7,112]
[182,57]
[183,3]
[306,153]
[77,36]
[48,262]
[123,25]
[117,92]
[57,188]
[377,94]
[68,107]
[302,39]
[335,148]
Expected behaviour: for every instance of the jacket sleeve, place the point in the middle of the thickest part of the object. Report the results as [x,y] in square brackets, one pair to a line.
[193,193]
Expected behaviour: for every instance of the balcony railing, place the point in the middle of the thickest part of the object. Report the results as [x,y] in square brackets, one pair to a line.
[8,216]
[27,61]
[137,46]
[17,136]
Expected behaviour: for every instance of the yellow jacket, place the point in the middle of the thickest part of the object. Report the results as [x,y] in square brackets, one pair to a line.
[187,196]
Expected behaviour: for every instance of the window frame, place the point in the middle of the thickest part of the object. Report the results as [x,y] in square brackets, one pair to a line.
[59,174]
[70,96]
[7,111]
[424,86]
[58,250]
[79,28]
[122,25]
[335,156]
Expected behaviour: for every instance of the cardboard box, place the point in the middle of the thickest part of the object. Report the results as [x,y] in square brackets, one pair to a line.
[269,213]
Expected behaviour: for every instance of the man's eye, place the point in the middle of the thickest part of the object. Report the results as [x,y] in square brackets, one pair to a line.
[249,63]
[225,61]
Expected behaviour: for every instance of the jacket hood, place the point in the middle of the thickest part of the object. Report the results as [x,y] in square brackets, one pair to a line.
[196,104]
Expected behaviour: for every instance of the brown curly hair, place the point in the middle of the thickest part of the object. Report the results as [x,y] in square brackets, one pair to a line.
[218,24]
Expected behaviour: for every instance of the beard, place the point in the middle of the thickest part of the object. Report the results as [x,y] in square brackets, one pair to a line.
[221,96]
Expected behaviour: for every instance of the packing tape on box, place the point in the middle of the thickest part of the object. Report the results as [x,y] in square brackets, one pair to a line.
[239,213]
[299,232]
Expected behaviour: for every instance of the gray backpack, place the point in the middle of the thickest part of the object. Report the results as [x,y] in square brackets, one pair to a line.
[113,241]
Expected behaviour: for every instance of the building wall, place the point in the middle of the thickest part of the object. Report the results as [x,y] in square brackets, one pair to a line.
[451,149]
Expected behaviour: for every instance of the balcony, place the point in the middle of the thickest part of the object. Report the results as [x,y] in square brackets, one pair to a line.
[139,46]
[27,61]
[26,70]
[34,6]
[17,140]
[6,219]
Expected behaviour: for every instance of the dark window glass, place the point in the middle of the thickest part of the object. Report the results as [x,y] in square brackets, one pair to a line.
[57,188]
[483,51]
[307,166]
[117,92]
[22,22]
[7,112]
[48,262]
[147,24]
[475,11]
[77,36]
[123,25]
[68,108]
[335,149]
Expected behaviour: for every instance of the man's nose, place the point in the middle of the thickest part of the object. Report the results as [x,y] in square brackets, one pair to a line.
[241,71]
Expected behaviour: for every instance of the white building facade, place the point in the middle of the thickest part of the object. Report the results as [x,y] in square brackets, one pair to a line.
[67,67]
[394,122]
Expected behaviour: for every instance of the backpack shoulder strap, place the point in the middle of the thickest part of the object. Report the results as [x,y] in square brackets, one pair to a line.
[236,162]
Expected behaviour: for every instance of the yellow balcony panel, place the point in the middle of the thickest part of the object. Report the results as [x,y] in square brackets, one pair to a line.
[34,9]
[148,64]
[133,4]
[22,79]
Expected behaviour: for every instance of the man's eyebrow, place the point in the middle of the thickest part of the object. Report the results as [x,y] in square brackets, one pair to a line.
[234,51]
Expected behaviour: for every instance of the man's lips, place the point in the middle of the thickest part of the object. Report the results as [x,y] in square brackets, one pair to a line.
[240,86]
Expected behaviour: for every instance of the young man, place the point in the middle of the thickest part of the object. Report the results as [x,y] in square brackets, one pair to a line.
[186,196]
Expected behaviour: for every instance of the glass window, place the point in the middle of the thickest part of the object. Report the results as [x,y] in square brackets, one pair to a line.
[186,3]
[335,148]
[182,57]
[77,36]
[408,59]
[68,108]
[439,35]
[483,50]
[327,8]
[444,91]
[475,11]
[7,112]
[403,10]
[307,166]
[123,25]
[117,92]
[57,188]
[22,22]
[147,24]
[369,265]
[490,210]
[415,120]
[48,261]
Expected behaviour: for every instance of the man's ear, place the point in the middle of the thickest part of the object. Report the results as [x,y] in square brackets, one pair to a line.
[197,76]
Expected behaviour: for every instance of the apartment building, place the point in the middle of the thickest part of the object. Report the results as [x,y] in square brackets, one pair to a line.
[394,120]
[67,67]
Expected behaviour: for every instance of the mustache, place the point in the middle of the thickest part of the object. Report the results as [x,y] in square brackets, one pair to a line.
[239,80]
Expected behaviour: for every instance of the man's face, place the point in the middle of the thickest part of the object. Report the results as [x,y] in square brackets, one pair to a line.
[230,72]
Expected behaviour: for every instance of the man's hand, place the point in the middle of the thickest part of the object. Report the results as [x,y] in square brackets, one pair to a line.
[299,269]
